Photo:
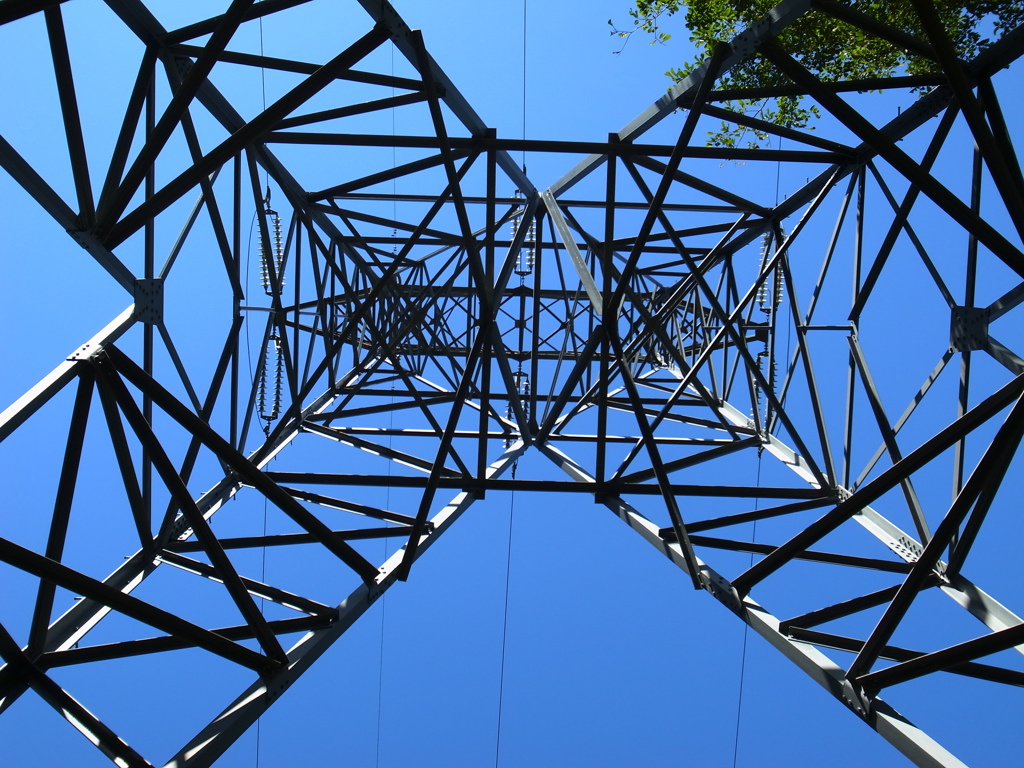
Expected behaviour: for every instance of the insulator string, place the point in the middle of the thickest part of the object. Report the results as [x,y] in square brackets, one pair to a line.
[262,389]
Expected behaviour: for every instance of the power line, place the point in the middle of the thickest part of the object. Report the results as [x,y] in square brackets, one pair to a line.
[504,628]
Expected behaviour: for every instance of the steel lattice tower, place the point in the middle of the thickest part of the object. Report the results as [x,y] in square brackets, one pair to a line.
[642,329]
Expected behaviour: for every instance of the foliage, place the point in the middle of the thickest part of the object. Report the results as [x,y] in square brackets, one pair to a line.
[832,50]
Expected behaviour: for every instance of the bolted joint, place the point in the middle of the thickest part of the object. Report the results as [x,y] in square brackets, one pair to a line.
[968,328]
[376,588]
[856,698]
[149,301]
[89,351]
[722,590]
[276,685]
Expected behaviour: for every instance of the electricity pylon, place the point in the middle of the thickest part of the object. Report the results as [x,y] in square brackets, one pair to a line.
[643,325]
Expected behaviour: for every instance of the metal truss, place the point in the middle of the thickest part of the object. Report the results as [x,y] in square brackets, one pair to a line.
[639,324]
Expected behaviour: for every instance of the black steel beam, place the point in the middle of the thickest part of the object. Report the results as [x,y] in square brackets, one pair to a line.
[78,583]
[115,233]
[887,480]
[246,470]
[61,518]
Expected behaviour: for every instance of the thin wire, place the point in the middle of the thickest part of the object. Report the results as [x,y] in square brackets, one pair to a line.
[263,580]
[248,341]
[380,657]
[512,496]
[263,566]
[394,158]
[394,148]
[746,631]
[263,84]
[524,84]
[778,171]
[753,534]
[384,542]
[739,698]
[789,326]
[391,423]
[504,628]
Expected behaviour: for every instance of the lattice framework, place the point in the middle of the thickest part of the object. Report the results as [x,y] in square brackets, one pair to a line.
[646,330]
